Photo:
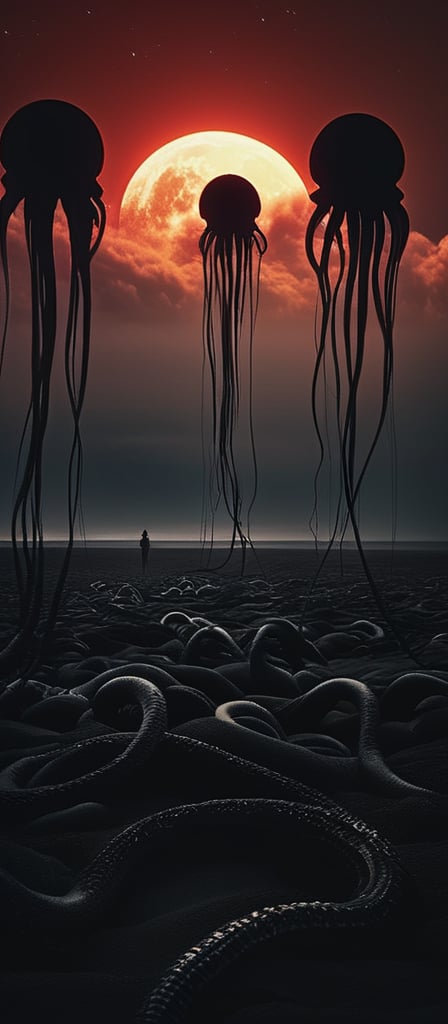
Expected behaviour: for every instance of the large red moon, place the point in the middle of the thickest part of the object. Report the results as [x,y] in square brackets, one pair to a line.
[161,201]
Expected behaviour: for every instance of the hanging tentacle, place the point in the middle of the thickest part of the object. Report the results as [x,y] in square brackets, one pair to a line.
[82,251]
[328,301]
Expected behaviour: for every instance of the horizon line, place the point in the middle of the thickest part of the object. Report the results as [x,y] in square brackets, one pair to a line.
[225,541]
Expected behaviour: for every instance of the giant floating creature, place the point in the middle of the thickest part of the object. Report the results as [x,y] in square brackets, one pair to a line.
[52,152]
[356,160]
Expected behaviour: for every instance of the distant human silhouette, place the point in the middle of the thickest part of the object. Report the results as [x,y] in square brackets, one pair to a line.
[145,546]
[354,242]
[229,204]
[52,152]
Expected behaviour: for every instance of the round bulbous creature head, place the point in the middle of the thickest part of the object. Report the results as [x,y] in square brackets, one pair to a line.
[230,204]
[51,147]
[357,160]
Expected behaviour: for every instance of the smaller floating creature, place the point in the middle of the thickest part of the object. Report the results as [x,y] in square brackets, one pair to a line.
[230,205]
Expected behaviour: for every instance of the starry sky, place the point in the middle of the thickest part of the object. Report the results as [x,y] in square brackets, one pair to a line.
[148,74]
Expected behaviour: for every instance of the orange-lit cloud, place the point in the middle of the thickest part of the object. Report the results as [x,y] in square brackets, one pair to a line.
[424,276]
[136,279]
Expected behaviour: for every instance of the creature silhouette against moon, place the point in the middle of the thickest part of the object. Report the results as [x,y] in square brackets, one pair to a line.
[356,160]
[52,152]
[230,205]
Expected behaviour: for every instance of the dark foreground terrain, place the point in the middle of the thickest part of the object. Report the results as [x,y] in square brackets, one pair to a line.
[225,799]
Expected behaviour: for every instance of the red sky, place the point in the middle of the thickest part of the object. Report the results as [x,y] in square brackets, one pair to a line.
[266,69]
[277,73]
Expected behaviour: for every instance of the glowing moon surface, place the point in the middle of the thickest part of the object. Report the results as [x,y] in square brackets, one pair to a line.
[162,198]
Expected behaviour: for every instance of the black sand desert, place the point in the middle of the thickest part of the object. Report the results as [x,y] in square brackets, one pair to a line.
[211,814]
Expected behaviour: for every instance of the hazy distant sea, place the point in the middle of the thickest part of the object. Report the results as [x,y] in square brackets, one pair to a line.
[305,545]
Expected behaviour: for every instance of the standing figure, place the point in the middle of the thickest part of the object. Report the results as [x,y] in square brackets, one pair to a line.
[229,204]
[356,160]
[145,546]
[52,153]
